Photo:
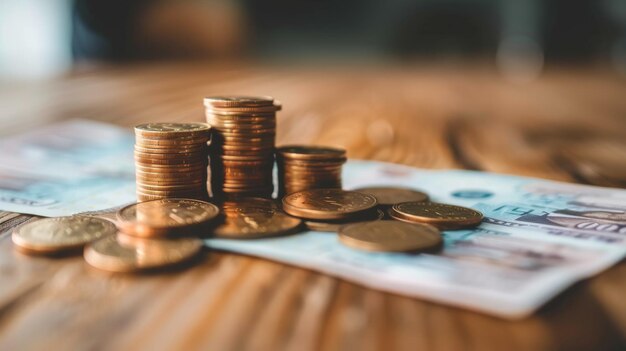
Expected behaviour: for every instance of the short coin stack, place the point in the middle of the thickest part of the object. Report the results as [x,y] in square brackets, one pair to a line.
[242,145]
[308,167]
[171,160]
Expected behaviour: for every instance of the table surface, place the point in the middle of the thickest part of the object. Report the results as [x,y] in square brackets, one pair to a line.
[569,125]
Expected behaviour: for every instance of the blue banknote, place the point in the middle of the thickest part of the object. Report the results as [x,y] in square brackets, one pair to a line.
[538,237]
[67,168]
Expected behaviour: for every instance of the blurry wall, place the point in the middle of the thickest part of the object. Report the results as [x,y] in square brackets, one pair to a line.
[40,37]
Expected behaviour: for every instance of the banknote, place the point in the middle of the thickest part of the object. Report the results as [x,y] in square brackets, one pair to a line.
[66,168]
[538,237]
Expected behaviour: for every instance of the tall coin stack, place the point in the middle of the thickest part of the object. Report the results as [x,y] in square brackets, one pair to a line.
[242,145]
[171,160]
[308,167]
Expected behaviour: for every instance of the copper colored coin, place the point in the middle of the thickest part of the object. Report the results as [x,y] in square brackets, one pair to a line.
[334,226]
[166,169]
[304,152]
[165,217]
[391,236]
[53,235]
[388,196]
[442,216]
[327,203]
[255,218]
[238,101]
[167,130]
[115,254]
[177,150]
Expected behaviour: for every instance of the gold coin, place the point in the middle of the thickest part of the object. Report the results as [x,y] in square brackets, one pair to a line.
[442,216]
[166,217]
[254,218]
[327,203]
[114,254]
[388,196]
[391,236]
[238,101]
[172,129]
[334,226]
[52,235]
[303,152]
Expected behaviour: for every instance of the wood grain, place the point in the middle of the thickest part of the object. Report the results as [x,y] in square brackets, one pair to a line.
[569,125]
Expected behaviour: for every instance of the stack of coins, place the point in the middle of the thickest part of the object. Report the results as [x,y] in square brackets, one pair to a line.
[171,160]
[308,167]
[242,145]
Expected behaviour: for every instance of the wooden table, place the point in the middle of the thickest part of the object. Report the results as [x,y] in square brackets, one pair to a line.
[569,125]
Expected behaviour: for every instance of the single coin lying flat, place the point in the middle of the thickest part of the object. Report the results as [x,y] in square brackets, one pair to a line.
[442,216]
[322,204]
[254,218]
[54,235]
[121,253]
[335,226]
[166,217]
[391,236]
[388,196]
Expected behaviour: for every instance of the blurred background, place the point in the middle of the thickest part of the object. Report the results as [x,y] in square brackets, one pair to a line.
[43,38]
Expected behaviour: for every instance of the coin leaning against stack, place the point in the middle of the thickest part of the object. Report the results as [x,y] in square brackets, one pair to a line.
[171,160]
[242,145]
[308,167]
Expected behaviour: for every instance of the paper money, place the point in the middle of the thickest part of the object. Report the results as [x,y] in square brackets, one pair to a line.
[66,168]
[537,238]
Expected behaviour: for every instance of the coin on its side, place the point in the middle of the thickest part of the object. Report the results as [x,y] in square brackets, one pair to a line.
[54,235]
[117,255]
[442,216]
[391,236]
[164,217]
[389,196]
[327,203]
[254,218]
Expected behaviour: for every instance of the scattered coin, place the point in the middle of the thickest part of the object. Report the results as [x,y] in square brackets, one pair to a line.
[115,254]
[442,216]
[60,234]
[254,218]
[387,196]
[322,204]
[391,236]
[334,226]
[166,217]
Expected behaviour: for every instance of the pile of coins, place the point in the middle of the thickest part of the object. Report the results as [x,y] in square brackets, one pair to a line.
[242,145]
[154,234]
[171,160]
[308,167]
